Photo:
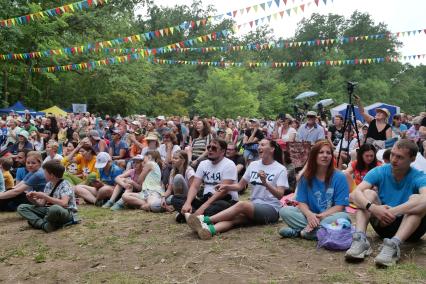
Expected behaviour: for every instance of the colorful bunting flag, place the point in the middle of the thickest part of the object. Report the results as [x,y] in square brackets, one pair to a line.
[299,64]
[69,8]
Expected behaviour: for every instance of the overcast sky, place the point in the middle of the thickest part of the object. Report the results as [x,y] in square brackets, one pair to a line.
[397,14]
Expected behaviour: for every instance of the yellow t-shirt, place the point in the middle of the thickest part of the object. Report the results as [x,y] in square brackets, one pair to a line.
[83,166]
[8,180]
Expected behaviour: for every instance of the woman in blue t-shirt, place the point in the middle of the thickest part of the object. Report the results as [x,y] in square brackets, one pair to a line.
[34,180]
[322,194]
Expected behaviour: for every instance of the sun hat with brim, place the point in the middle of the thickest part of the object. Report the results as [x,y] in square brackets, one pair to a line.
[151,137]
[417,120]
[94,134]
[138,157]
[311,113]
[102,160]
[383,110]
[136,123]
[24,133]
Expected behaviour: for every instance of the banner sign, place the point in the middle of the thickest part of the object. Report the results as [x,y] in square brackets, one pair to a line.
[79,108]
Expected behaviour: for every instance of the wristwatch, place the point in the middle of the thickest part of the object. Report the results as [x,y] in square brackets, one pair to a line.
[368,205]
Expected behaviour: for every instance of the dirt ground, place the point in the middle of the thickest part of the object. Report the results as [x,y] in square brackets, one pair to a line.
[136,247]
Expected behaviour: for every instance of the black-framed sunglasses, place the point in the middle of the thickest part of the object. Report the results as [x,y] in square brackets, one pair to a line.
[212,148]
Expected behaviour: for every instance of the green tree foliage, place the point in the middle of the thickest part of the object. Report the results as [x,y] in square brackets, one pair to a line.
[225,94]
[143,87]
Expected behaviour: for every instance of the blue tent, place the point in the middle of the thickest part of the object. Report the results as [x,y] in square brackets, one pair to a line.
[19,108]
[341,109]
[371,109]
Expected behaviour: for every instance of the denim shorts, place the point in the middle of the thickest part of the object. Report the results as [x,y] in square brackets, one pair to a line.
[264,214]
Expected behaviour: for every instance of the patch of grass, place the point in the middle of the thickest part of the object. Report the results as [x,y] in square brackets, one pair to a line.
[116,277]
[401,273]
[217,248]
[337,277]
[41,253]
[270,231]
[19,251]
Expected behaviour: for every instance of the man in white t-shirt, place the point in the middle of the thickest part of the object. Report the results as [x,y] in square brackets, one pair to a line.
[216,170]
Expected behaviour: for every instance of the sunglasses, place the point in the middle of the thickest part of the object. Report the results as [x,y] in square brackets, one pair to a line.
[212,148]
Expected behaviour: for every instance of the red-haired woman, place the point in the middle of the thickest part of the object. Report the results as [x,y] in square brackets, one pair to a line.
[322,193]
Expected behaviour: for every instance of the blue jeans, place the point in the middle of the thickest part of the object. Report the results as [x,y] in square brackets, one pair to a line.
[295,219]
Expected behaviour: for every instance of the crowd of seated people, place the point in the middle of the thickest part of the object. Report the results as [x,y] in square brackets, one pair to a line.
[200,167]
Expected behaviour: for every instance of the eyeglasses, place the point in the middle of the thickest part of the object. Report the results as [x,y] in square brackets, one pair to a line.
[212,148]
[230,149]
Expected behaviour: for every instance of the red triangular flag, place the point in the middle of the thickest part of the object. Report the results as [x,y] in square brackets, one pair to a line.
[316,2]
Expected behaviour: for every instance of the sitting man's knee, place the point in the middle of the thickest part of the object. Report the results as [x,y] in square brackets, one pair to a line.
[371,194]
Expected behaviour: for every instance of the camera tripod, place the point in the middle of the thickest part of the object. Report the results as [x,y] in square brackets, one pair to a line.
[350,120]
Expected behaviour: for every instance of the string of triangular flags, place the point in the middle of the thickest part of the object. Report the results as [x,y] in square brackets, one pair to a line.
[267,46]
[181,47]
[54,12]
[100,47]
[275,16]
[259,8]
[138,56]
[138,37]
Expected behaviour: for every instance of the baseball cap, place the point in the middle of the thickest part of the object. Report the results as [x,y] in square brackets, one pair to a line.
[102,159]
[94,134]
[311,113]
[116,131]
[253,120]
[161,117]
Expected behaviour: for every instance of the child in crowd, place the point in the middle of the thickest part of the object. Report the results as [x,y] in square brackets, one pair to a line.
[149,199]
[181,178]
[6,165]
[127,181]
[55,207]
[52,151]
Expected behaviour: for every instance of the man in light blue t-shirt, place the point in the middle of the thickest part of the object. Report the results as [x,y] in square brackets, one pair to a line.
[396,210]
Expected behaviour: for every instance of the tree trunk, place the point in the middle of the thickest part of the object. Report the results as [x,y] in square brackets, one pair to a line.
[5,88]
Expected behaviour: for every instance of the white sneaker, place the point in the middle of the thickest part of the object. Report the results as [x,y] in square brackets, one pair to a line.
[360,248]
[389,255]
